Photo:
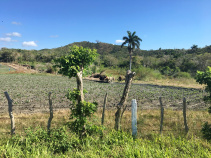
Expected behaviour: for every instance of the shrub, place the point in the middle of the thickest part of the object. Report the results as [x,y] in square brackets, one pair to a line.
[205,78]
[50,68]
[80,112]
[143,73]
[206,131]
[182,75]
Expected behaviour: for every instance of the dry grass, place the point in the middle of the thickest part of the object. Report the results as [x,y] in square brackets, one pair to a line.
[176,82]
[148,121]
[180,82]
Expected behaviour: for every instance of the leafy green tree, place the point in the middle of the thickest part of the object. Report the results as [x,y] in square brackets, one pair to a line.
[7,56]
[133,41]
[194,48]
[109,61]
[73,64]
[205,78]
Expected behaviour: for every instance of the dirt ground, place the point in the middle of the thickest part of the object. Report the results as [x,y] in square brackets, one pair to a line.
[19,68]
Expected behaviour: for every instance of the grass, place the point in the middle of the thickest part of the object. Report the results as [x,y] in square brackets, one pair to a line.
[148,121]
[149,143]
[5,69]
[176,82]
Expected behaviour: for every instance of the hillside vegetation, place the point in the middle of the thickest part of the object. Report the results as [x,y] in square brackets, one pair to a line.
[152,64]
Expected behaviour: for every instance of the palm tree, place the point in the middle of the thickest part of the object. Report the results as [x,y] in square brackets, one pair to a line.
[133,42]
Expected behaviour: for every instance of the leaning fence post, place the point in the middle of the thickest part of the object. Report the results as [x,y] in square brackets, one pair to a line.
[10,113]
[184,115]
[134,118]
[161,115]
[104,106]
[51,112]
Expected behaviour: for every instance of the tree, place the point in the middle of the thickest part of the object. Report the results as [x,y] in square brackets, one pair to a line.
[121,106]
[7,56]
[133,41]
[73,64]
[194,48]
[205,78]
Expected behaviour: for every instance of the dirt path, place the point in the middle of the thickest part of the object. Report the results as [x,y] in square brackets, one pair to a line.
[20,68]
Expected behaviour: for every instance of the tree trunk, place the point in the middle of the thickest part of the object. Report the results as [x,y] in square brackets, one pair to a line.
[80,86]
[130,60]
[128,80]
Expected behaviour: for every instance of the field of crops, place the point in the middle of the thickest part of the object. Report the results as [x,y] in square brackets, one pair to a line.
[30,93]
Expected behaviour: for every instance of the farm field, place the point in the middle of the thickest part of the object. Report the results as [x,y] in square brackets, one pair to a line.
[30,93]
[31,110]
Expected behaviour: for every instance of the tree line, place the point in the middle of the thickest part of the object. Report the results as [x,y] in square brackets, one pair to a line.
[167,61]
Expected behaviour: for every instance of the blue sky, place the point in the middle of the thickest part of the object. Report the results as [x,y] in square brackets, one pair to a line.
[165,24]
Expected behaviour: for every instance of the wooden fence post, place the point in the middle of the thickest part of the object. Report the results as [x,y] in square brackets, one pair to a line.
[104,106]
[134,118]
[161,115]
[10,113]
[51,112]
[184,115]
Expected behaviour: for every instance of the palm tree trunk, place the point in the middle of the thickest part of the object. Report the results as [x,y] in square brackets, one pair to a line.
[130,59]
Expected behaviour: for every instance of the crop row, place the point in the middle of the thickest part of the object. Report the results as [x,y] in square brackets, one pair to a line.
[31,91]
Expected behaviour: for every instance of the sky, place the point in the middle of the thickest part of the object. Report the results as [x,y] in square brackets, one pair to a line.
[166,24]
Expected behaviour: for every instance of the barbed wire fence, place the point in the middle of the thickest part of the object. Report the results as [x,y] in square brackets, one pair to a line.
[173,119]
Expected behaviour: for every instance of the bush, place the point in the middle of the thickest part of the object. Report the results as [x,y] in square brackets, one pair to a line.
[206,131]
[50,68]
[80,112]
[182,75]
[205,78]
[40,67]
[144,73]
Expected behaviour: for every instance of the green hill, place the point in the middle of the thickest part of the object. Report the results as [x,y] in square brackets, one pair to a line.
[168,62]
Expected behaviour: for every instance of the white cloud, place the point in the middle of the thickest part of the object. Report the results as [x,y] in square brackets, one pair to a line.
[16,34]
[16,23]
[119,41]
[6,39]
[29,43]
[54,36]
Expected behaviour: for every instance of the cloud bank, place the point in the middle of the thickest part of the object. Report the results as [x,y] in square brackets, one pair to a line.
[16,34]
[29,44]
[6,39]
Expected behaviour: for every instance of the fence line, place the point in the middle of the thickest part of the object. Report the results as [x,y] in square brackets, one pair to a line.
[162,106]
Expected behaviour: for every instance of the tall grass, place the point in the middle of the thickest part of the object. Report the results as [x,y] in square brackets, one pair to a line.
[35,142]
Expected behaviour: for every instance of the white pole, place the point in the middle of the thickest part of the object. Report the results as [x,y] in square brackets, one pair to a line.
[134,118]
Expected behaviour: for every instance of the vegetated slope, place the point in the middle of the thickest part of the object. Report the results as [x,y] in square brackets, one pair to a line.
[169,62]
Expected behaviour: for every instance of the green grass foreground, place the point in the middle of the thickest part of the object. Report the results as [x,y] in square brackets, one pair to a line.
[62,143]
